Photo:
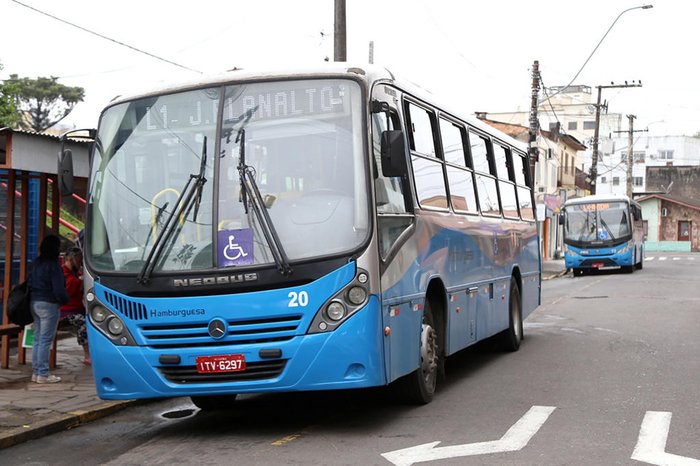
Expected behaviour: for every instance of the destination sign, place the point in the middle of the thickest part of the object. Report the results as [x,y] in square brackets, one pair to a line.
[285,99]
[244,102]
[598,206]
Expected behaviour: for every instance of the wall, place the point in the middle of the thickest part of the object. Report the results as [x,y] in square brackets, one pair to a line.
[650,213]
[669,224]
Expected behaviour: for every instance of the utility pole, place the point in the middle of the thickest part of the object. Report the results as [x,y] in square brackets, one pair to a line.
[533,151]
[630,154]
[630,151]
[339,38]
[596,131]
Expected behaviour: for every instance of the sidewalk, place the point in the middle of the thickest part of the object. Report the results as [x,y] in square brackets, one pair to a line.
[553,268]
[29,410]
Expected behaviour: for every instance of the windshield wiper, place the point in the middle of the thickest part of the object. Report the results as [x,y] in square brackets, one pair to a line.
[605,225]
[249,190]
[190,196]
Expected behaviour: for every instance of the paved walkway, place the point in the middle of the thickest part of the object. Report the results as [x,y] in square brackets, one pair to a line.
[29,410]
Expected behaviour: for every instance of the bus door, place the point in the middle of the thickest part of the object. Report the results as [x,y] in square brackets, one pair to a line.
[400,310]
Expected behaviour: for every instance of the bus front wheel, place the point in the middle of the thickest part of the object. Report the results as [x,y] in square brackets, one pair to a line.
[214,402]
[418,387]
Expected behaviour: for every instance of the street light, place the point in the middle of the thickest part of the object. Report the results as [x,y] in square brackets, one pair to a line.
[642,7]
[594,156]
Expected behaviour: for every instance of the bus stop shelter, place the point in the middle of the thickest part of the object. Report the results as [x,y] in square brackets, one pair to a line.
[30,208]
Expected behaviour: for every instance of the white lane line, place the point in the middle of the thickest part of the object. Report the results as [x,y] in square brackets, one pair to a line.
[651,444]
[515,439]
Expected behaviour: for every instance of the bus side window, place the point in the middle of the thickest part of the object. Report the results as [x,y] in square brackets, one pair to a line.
[428,172]
[390,191]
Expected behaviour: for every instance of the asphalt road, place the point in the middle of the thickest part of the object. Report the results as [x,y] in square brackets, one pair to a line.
[609,363]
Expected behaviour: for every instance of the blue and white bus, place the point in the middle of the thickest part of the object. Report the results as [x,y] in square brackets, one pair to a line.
[329,228]
[603,232]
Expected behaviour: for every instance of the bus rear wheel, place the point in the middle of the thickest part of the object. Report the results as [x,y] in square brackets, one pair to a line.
[513,335]
[214,402]
[418,387]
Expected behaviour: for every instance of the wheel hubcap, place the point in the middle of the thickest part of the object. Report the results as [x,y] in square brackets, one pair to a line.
[428,354]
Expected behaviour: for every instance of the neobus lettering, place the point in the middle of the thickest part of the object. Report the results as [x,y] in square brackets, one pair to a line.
[220,280]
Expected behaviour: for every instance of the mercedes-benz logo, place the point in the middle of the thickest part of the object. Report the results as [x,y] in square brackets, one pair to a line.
[217,328]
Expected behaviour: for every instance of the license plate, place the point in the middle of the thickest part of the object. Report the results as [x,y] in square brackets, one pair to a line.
[597,265]
[221,363]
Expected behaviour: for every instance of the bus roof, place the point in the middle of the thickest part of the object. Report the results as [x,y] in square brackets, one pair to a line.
[366,72]
[597,198]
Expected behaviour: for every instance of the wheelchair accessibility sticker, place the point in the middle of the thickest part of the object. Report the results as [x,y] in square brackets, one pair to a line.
[235,247]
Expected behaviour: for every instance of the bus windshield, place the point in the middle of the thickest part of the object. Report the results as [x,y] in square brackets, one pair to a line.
[302,141]
[597,223]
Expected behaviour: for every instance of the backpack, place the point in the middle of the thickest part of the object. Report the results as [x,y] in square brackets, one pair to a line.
[18,311]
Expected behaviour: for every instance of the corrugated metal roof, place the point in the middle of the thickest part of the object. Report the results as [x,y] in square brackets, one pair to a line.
[43,135]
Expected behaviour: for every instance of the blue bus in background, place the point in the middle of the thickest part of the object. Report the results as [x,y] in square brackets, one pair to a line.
[327,228]
[603,232]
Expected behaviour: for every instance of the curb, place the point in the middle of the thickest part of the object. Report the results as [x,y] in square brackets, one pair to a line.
[61,422]
[556,275]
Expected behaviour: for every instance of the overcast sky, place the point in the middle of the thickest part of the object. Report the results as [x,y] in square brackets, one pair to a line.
[478,53]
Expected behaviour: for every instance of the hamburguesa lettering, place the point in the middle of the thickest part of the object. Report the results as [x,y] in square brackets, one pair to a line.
[177,312]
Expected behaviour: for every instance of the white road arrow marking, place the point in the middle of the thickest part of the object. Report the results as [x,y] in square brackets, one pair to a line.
[515,439]
[651,444]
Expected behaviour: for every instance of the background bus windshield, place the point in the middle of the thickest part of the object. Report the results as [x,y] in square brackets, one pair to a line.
[602,222]
[303,142]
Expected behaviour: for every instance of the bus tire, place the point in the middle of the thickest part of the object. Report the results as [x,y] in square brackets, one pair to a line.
[214,402]
[640,265]
[418,387]
[513,335]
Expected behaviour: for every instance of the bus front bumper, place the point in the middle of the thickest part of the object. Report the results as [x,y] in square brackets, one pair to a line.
[349,357]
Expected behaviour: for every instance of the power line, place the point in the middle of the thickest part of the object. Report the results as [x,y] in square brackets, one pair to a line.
[105,37]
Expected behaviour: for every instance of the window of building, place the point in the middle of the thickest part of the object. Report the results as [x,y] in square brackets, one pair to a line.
[638,180]
[639,156]
[666,154]
[573,125]
[603,179]
[589,125]
[616,181]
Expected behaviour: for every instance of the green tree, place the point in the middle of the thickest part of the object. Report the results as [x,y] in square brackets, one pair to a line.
[9,117]
[43,102]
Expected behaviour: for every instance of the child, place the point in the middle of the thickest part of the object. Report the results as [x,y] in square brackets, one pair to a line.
[73,310]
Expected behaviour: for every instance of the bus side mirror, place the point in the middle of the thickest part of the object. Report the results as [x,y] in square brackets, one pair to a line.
[393,154]
[65,172]
[561,219]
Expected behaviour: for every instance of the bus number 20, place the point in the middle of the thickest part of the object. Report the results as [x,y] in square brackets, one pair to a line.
[298,299]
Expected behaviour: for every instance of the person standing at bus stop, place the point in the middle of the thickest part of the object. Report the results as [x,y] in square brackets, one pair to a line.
[47,288]
[74,310]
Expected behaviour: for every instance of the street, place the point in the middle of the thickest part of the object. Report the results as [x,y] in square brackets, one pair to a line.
[608,373]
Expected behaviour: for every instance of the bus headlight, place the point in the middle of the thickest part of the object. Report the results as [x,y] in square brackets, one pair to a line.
[99,314]
[115,326]
[357,295]
[108,322]
[335,311]
[343,304]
